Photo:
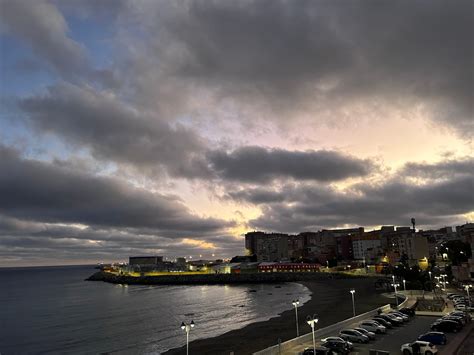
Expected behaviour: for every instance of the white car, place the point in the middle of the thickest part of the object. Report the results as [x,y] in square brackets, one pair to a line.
[426,348]
[353,335]
[373,326]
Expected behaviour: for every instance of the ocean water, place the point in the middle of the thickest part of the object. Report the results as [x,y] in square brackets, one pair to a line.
[53,310]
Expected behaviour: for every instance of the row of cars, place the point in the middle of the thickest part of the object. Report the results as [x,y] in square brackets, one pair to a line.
[461,303]
[426,343]
[363,333]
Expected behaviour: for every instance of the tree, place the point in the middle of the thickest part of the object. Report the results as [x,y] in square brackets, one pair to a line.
[458,252]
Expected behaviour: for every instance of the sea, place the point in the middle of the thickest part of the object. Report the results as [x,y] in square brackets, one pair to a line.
[52,310]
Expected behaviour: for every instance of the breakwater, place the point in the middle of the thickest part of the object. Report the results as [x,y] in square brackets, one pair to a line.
[216,279]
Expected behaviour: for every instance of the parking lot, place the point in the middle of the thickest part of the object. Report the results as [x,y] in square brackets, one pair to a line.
[395,337]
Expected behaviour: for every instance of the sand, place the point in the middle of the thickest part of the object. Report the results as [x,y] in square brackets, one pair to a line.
[333,307]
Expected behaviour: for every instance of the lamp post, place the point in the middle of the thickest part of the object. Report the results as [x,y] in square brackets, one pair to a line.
[444,281]
[295,304]
[312,323]
[429,273]
[404,285]
[353,303]
[187,328]
[395,285]
[468,296]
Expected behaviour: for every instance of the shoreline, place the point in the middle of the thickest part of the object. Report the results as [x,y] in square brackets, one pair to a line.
[259,335]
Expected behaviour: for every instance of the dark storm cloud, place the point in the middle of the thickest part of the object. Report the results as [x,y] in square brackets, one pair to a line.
[257,164]
[448,168]
[114,131]
[34,242]
[37,191]
[303,206]
[320,55]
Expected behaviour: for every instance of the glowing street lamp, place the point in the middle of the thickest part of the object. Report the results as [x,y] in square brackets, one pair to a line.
[353,303]
[468,296]
[312,323]
[295,304]
[404,285]
[395,285]
[187,328]
[429,273]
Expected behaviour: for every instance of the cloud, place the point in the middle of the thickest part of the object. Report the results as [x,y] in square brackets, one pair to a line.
[112,130]
[328,61]
[257,164]
[444,169]
[297,207]
[37,191]
[43,27]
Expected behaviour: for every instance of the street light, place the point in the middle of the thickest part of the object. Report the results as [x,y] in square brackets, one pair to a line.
[353,303]
[404,285]
[429,273]
[395,285]
[187,328]
[444,281]
[468,296]
[295,304]
[312,322]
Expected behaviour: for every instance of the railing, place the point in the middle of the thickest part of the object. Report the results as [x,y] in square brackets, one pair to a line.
[321,333]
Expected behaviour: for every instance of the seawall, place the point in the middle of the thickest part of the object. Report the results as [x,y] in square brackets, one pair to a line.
[214,279]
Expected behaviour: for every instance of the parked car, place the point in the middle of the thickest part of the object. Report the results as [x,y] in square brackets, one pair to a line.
[404,317]
[445,325]
[463,307]
[334,343]
[353,336]
[425,348]
[458,320]
[383,321]
[391,320]
[370,335]
[437,338]
[408,311]
[461,318]
[320,350]
[463,314]
[373,326]
[453,295]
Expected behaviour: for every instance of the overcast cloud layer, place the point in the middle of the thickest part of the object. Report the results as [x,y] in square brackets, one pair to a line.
[172,127]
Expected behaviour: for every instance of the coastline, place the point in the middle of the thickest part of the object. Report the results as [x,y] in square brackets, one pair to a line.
[259,335]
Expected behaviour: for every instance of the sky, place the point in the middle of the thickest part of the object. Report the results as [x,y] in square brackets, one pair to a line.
[171,128]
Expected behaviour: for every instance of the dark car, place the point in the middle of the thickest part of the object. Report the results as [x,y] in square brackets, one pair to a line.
[389,319]
[320,350]
[437,338]
[458,320]
[446,326]
[407,311]
[465,315]
[336,347]
[384,322]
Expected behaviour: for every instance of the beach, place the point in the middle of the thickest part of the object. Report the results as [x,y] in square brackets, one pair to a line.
[331,308]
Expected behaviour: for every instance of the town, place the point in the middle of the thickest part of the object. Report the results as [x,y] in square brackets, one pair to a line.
[386,250]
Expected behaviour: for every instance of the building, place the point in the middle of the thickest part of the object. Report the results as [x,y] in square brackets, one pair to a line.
[146,263]
[288,267]
[404,242]
[365,246]
[272,247]
[145,260]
